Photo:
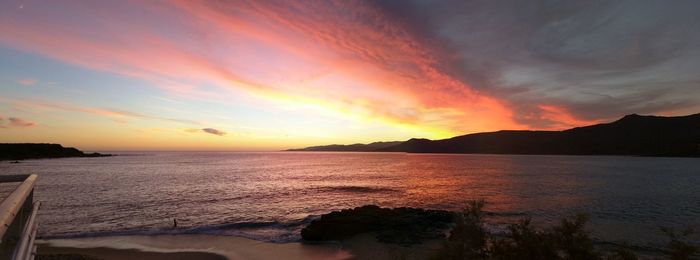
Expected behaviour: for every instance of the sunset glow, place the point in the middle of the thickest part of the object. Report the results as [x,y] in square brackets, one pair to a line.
[268,75]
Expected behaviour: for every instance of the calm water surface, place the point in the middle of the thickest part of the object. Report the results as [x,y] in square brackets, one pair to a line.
[270,196]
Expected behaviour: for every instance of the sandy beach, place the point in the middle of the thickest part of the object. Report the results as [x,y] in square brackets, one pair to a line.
[210,247]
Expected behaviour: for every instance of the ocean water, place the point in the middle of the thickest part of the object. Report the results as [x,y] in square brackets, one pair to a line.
[271,196]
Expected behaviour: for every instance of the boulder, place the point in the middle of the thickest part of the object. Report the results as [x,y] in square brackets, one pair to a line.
[397,225]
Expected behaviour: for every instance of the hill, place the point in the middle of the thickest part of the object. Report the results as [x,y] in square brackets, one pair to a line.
[631,135]
[40,151]
[350,147]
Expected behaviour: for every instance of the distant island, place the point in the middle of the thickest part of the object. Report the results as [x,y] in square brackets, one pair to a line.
[25,151]
[634,134]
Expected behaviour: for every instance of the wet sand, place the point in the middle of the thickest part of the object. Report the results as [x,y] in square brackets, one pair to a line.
[210,247]
[104,253]
[187,247]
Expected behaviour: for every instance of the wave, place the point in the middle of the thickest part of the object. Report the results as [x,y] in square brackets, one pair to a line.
[285,232]
[236,225]
[506,213]
[268,231]
[356,189]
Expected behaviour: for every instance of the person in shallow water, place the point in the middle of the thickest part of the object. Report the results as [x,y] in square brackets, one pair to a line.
[174,223]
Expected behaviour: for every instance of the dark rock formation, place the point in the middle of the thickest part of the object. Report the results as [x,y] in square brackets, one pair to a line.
[40,151]
[398,225]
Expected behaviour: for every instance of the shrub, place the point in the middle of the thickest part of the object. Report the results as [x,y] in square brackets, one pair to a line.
[467,239]
[622,254]
[567,240]
[524,242]
[678,247]
[571,238]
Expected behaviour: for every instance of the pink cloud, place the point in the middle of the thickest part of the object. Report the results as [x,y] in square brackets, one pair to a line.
[346,55]
[28,82]
[562,118]
[15,122]
[19,122]
[117,115]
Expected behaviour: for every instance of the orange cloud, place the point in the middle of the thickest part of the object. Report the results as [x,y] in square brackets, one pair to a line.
[344,56]
[562,118]
[399,78]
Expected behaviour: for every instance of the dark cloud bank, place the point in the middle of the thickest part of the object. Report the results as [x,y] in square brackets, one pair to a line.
[597,59]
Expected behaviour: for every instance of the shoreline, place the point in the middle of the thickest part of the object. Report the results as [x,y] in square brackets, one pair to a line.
[186,246]
[106,253]
[213,247]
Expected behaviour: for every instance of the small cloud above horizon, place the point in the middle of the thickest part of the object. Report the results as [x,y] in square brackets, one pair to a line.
[206,130]
[214,131]
[15,122]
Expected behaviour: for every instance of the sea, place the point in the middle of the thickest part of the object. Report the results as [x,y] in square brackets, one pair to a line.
[270,196]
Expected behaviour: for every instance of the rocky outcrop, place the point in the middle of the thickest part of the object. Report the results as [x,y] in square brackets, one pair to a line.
[397,225]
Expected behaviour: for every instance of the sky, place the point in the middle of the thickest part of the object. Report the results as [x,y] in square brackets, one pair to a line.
[271,75]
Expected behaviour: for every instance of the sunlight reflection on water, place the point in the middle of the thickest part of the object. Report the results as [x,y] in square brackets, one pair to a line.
[270,196]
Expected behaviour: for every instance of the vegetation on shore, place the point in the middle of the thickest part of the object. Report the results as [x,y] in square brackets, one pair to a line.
[567,240]
[469,239]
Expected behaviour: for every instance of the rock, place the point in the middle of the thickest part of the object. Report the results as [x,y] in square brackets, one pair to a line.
[398,225]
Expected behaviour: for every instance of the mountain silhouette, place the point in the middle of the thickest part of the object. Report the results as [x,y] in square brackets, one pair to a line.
[350,147]
[632,135]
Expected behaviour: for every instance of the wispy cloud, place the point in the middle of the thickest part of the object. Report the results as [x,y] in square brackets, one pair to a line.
[361,63]
[19,122]
[115,114]
[457,66]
